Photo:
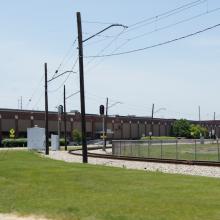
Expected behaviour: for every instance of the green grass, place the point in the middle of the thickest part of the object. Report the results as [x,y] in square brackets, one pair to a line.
[30,184]
[158,138]
[206,152]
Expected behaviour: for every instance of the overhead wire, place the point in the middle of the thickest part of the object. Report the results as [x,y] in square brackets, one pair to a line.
[164,15]
[166,27]
[65,57]
[156,45]
[34,92]
[59,87]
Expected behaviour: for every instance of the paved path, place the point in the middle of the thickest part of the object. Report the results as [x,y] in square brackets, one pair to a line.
[15,217]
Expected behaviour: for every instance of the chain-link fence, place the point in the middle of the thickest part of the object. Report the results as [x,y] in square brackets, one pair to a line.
[201,150]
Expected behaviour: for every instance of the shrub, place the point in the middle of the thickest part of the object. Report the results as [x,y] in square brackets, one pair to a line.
[77,136]
[181,128]
[20,142]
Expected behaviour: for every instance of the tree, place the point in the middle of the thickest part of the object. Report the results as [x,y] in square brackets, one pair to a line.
[77,136]
[181,128]
[197,130]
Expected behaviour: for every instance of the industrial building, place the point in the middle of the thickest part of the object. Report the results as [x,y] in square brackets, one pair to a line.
[119,127]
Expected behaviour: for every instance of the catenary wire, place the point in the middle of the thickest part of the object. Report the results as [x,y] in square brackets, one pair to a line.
[157,45]
[167,26]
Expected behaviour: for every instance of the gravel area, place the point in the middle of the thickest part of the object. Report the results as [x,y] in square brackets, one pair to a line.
[146,166]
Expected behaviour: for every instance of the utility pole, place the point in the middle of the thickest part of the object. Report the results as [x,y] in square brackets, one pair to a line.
[46,113]
[82,94]
[214,116]
[59,113]
[21,103]
[64,106]
[152,115]
[199,114]
[105,124]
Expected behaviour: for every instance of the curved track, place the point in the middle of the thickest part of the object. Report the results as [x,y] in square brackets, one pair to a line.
[155,160]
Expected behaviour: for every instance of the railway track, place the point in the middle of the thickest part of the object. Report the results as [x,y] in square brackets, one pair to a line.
[154,160]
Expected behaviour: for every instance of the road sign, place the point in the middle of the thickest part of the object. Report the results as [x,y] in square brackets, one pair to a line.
[12,133]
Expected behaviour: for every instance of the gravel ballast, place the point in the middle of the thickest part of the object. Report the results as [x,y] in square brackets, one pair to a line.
[146,166]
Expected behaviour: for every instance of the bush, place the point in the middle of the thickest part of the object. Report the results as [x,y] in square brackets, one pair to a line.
[181,128]
[197,130]
[77,136]
[20,142]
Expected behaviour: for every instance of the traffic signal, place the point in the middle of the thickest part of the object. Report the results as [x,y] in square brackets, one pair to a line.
[60,109]
[102,109]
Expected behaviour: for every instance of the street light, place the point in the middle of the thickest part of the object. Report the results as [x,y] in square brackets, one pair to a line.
[53,78]
[46,103]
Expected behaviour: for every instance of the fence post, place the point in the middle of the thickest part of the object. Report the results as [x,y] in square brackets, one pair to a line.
[195,151]
[218,151]
[161,149]
[176,149]
[139,150]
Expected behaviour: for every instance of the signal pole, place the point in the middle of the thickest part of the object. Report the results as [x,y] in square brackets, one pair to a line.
[105,124]
[82,94]
[64,106]
[46,113]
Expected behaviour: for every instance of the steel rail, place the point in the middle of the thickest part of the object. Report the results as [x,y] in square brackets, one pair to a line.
[154,160]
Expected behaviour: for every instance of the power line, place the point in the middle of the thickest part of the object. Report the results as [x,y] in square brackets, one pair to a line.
[70,72]
[156,45]
[107,46]
[65,57]
[75,93]
[166,14]
[167,26]
[33,94]
[174,24]
[37,102]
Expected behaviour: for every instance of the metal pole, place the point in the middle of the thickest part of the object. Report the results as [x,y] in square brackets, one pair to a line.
[218,151]
[21,103]
[195,151]
[152,117]
[46,113]
[58,124]
[106,116]
[82,95]
[161,149]
[103,132]
[176,149]
[64,106]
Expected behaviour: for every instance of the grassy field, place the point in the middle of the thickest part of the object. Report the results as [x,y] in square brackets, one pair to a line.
[30,184]
[206,152]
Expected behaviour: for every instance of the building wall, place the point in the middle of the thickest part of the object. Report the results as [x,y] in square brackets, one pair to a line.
[120,127]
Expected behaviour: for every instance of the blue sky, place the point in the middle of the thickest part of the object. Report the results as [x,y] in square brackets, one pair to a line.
[179,77]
